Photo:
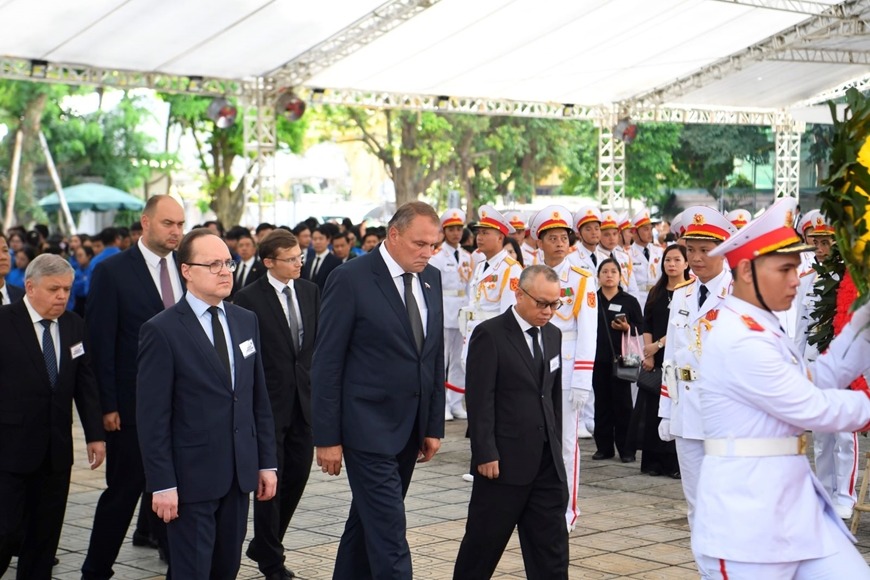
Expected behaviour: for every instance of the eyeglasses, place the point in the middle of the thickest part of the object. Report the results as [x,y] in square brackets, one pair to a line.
[216,266]
[544,305]
[300,259]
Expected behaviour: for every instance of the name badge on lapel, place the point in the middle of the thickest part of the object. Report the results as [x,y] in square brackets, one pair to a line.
[77,350]
[554,363]
[247,348]
[615,308]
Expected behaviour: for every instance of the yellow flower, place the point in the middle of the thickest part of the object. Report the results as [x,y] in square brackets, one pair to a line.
[864,154]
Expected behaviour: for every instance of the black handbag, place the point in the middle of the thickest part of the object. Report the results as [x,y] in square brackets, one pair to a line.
[650,381]
[622,369]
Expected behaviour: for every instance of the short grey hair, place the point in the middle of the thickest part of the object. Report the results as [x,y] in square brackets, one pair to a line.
[407,212]
[47,265]
[532,272]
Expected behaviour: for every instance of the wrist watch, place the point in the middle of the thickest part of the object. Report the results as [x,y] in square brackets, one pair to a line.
[660,345]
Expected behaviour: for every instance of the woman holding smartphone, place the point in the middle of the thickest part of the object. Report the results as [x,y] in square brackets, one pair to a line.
[619,312]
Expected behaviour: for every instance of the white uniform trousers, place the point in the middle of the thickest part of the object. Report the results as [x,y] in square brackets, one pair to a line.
[690,453]
[846,563]
[571,454]
[588,416]
[453,371]
[837,465]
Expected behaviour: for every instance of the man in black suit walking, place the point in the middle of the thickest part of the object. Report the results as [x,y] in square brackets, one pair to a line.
[249,269]
[8,293]
[287,309]
[127,290]
[514,400]
[44,366]
[321,262]
[203,416]
[377,384]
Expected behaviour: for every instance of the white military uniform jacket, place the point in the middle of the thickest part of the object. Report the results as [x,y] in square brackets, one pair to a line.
[688,328]
[582,258]
[455,278]
[492,290]
[646,272]
[627,281]
[578,321]
[531,256]
[770,509]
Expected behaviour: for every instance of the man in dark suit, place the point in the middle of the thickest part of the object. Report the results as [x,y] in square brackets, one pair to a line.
[378,387]
[341,247]
[8,293]
[287,309]
[249,268]
[320,263]
[514,400]
[44,366]
[204,420]
[127,290]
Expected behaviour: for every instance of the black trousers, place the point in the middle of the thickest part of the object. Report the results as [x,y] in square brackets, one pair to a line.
[205,541]
[125,478]
[271,518]
[612,410]
[35,503]
[537,510]
[374,545]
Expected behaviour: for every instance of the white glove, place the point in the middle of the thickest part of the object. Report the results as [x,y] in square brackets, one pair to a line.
[578,398]
[665,430]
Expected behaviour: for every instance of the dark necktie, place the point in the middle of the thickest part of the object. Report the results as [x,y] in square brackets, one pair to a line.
[702,295]
[241,278]
[291,317]
[456,255]
[166,285]
[594,259]
[314,267]
[485,266]
[220,342]
[537,355]
[2,300]
[48,352]
[646,253]
[413,311]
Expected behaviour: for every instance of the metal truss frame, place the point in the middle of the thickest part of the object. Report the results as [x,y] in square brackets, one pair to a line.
[787,167]
[797,6]
[837,21]
[611,166]
[861,83]
[259,130]
[823,56]
[348,40]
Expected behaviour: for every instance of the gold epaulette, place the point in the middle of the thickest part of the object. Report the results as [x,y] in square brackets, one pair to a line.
[510,261]
[438,249]
[581,271]
[684,283]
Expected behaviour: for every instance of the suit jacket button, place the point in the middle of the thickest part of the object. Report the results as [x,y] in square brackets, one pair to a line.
[236,430]
[235,399]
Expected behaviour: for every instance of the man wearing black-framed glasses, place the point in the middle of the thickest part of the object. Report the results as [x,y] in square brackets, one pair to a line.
[287,308]
[205,421]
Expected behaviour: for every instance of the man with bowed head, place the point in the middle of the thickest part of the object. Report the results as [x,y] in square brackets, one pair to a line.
[205,421]
[377,383]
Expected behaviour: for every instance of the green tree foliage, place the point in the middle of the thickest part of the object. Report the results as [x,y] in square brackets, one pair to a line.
[650,172]
[581,169]
[707,153]
[218,148]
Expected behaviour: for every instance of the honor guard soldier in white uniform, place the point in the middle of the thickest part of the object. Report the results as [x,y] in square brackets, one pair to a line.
[455,266]
[739,218]
[587,226]
[761,513]
[693,312]
[531,254]
[836,454]
[646,257]
[608,247]
[495,280]
[625,237]
[518,222]
[577,318]
[677,227]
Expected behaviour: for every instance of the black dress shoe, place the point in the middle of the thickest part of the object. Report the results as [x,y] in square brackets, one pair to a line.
[653,473]
[627,458]
[676,475]
[143,540]
[55,562]
[283,574]
[598,456]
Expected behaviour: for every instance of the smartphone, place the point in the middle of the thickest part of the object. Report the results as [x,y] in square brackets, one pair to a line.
[620,317]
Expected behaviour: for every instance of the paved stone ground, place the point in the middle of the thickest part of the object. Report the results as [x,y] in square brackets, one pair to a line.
[633,525]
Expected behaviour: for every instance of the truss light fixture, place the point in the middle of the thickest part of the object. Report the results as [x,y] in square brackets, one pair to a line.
[194,84]
[442,102]
[38,69]
[222,113]
[289,105]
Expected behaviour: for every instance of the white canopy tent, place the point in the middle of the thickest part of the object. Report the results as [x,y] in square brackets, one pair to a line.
[728,61]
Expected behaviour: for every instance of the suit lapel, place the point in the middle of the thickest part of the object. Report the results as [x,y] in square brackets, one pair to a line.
[200,339]
[144,279]
[515,336]
[235,338]
[65,334]
[306,307]
[427,285]
[272,300]
[27,336]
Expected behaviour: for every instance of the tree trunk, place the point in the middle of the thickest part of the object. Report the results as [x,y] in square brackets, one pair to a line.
[31,157]
[405,178]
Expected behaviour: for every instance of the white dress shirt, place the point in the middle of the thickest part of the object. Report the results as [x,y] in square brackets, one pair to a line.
[200,309]
[35,317]
[153,262]
[282,300]
[244,266]
[5,292]
[396,272]
[524,326]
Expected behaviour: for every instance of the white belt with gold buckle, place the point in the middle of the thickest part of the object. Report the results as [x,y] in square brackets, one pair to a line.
[459,293]
[756,447]
[686,374]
